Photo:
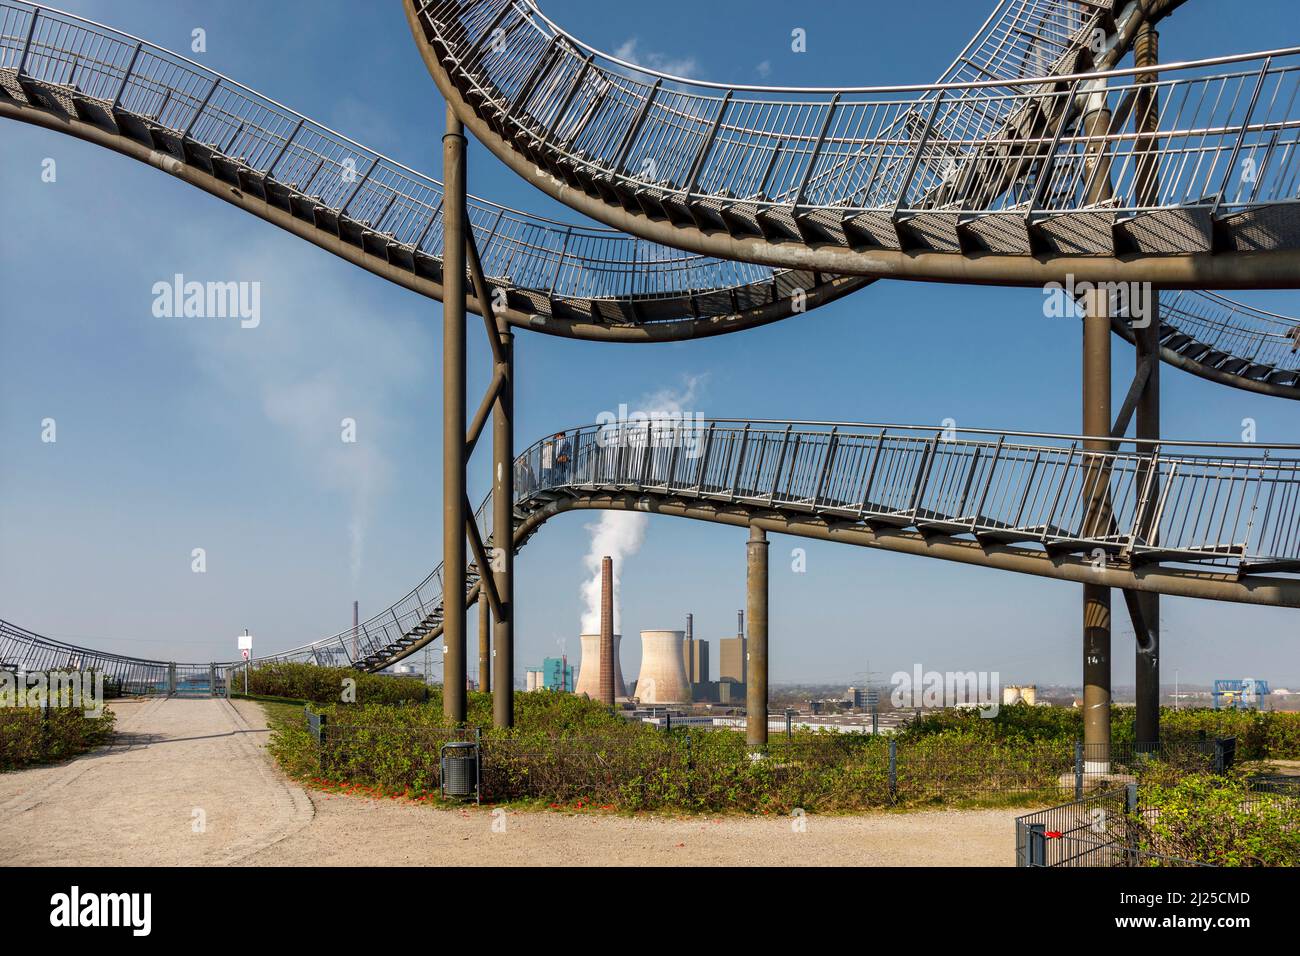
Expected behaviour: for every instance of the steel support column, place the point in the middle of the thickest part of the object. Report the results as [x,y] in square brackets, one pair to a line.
[484,639]
[1146,111]
[503,552]
[453,423]
[1096,597]
[756,651]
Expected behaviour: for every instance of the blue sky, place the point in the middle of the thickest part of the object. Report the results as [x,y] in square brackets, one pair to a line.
[177,434]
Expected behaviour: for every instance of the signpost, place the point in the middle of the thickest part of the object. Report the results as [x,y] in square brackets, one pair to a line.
[246,649]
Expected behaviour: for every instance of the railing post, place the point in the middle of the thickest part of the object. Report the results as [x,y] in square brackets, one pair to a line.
[893,769]
[322,738]
[916,158]
[45,724]
[1245,125]
[27,43]
[126,76]
[270,170]
[1078,770]
[189,127]
[1037,844]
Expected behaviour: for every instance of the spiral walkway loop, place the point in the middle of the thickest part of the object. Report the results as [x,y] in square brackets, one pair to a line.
[1005,179]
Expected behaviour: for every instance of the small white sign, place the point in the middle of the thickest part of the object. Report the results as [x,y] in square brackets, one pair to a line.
[245,642]
[245,653]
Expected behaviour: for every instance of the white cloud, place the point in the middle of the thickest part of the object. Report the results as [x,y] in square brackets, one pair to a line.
[685,67]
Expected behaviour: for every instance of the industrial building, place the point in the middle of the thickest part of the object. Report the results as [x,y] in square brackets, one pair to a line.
[556,673]
[695,659]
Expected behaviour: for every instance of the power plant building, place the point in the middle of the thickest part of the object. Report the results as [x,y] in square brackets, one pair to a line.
[731,659]
[695,658]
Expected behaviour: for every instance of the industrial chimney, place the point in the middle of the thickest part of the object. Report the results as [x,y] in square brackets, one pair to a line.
[607,631]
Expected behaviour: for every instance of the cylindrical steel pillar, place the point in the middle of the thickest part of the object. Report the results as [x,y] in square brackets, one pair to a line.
[484,640]
[503,547]
[1146,109]
[1096,597]
[607,631]
[453,422]
[756,646]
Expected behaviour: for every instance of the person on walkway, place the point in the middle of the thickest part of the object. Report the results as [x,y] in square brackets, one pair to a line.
[562,451]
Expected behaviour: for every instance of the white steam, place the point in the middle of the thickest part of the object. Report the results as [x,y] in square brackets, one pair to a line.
[619,534]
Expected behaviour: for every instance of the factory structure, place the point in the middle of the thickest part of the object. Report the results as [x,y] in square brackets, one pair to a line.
[556,673]
[676,666]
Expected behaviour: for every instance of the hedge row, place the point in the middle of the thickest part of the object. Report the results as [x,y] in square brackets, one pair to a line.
[1261,735]
[1217,820]
[328,685]
[30,736]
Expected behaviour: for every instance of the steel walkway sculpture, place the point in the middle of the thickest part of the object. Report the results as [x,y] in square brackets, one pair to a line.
[1007,180]
[1032,159]
[120,92]
[1210,521]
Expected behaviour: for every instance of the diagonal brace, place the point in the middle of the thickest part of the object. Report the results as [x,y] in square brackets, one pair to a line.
[486,579]
[1141,631]
[484,296]
[1140,379]
[485,409]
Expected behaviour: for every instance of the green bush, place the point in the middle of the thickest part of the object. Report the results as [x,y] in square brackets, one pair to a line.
[571,751]
[1261,735]
[1210,819]
[28,736]
[324,685]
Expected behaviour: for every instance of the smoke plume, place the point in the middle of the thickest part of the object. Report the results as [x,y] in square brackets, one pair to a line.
[619,534]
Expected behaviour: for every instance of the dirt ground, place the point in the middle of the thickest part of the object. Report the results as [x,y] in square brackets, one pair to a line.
[178,763]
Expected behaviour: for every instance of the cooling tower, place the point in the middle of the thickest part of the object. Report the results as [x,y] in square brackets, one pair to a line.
[663,675]
[589,668]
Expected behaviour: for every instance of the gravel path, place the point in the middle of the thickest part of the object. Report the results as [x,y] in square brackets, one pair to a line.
[135,802]
[185,783]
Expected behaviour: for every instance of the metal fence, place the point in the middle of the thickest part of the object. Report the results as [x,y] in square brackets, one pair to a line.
[1116,827]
